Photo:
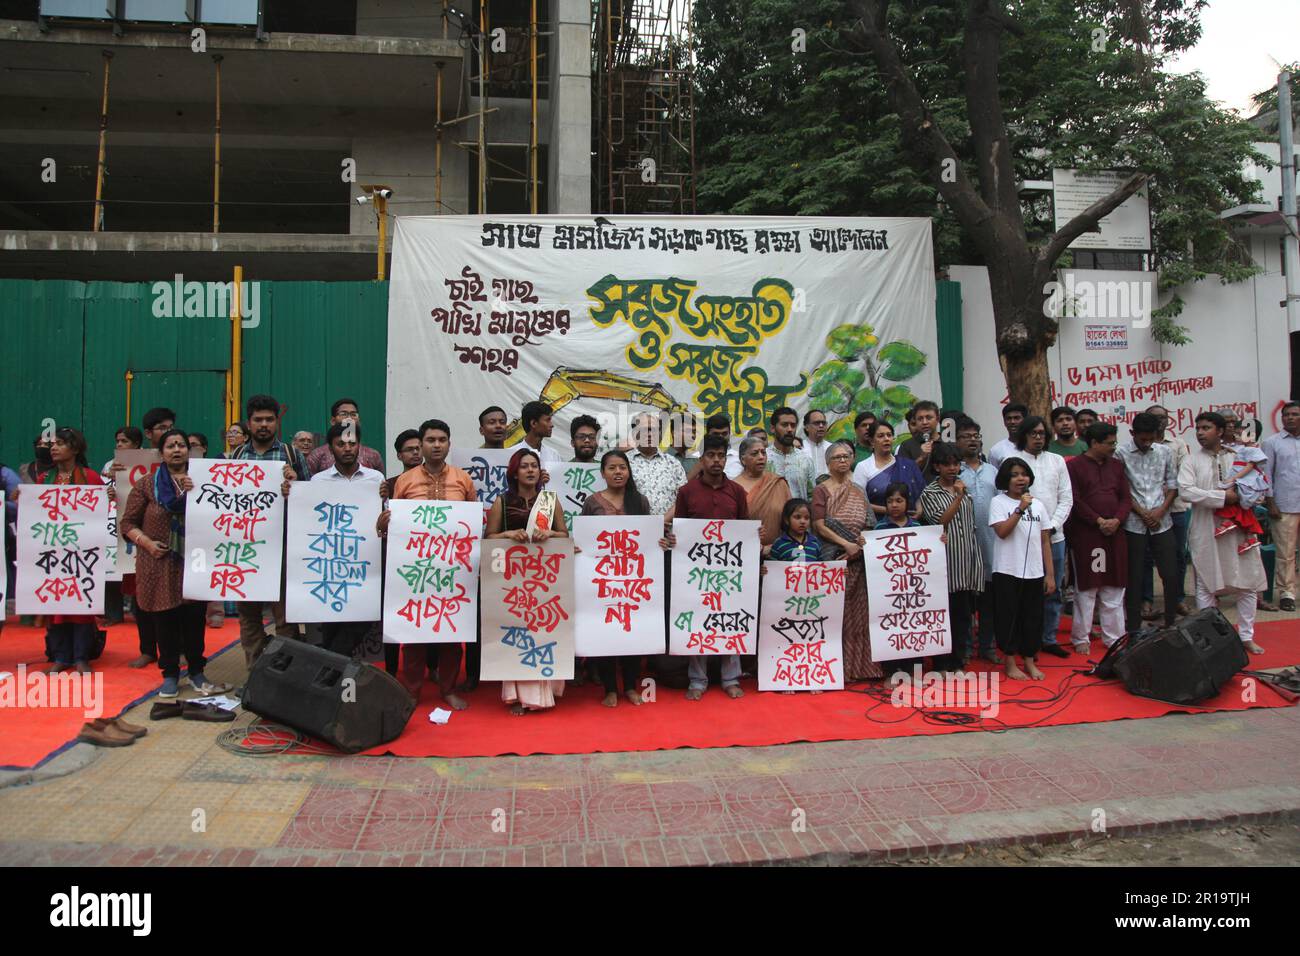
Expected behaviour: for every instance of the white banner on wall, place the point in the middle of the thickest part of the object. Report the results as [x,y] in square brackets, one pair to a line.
[732,315]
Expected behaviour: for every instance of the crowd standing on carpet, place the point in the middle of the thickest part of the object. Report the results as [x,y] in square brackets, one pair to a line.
[1057,503]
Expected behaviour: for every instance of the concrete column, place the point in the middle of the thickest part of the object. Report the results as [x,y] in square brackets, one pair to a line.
[569,153]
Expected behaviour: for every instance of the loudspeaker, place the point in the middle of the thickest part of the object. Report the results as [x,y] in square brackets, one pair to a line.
[303,687]
[1184,664]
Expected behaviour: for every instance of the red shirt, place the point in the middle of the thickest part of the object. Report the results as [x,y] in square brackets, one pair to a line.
[695,499]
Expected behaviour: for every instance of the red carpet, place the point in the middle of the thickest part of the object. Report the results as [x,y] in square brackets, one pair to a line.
[29,736]
[579,724]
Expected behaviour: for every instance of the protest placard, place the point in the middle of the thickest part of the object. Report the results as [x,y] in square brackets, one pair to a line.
[574,481]
[528,610]
[714,595]
[618,585]
[234,530]
[62,540]
[486,467]
[431,584]
[136,463]
[801,623]
[907,589]
[332,552]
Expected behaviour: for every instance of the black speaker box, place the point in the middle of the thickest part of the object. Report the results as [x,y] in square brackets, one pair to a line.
[1184,664]
[303,687]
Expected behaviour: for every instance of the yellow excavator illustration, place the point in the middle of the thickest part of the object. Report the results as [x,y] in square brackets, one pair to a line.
[567,384]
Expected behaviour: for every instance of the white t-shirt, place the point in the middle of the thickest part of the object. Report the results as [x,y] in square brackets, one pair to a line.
[1001,451]
[1019,554]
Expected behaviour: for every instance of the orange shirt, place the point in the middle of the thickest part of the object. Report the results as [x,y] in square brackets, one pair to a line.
[452,484]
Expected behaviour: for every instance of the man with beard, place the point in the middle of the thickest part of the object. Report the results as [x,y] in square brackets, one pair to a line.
[784,459]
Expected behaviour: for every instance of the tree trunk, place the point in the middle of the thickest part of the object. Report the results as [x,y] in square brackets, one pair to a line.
[1028,381]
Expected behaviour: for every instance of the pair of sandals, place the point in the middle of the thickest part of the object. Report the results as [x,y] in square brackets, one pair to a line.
[190,710]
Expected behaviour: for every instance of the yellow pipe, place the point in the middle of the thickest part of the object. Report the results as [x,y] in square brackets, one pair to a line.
[216,167]
[381,210]
[129,376]
[97,222]
[532,144]
[236,343]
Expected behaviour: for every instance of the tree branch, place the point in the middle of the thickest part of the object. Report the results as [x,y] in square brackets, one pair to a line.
[1087,220]
[981,48]
[921,134]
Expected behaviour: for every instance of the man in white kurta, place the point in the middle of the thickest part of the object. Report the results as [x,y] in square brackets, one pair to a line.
[1219,568]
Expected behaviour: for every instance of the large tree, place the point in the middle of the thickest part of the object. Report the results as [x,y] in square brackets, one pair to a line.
[943,108]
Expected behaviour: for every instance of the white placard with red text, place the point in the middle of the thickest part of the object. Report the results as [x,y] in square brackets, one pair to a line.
[234,530]
[62,549]
[136,463]
[800,643]
[619,585]
[907,589]
[714,595]
[431,581]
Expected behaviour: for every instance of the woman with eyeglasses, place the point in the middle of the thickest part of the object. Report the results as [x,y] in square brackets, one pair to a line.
[840,514]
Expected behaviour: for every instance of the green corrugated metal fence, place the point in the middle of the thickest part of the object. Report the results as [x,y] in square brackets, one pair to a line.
[947,315]
[66,348]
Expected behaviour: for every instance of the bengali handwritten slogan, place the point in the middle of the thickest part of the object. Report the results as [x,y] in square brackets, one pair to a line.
[234,530]
[619,585]
[486,468]
[528,612]
[907,581]
[714,596]
[431,581]
[802,620]
[136,463]
[62,545]
[333,553]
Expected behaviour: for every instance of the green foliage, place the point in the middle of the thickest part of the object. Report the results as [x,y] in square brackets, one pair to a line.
[838,386]
[811,133]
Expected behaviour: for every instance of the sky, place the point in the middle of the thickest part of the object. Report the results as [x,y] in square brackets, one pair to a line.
[1238,37]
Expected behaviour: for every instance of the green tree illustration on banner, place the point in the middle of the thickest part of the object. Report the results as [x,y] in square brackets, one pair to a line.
[859,381]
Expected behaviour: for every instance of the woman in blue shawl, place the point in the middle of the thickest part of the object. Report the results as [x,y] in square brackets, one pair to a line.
[882,468]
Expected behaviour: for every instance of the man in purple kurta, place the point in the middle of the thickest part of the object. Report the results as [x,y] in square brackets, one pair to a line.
[1094,532]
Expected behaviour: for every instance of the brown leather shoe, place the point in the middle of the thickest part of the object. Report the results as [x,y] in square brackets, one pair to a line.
[144,660]
[104,736]
[117,723]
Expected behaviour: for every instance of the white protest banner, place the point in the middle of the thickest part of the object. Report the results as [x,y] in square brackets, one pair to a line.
[528,610]
[714,595]
[574,481]
[332,552]
[907,589]
[801,624]
[111,571]
[487,469]
[697,315]
[136,463]
[618,584]
[234,530]
[431,585]
[62,540]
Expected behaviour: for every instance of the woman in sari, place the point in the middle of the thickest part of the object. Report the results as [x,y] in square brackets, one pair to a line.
[154,521]
[882,469]
[509,519]
[840,514]
[765,493]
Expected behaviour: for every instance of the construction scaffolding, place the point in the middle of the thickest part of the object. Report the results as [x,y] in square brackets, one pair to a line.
[644,91]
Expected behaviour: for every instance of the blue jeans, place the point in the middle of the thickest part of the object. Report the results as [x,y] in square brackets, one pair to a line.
[699,671]
[1181,520]
[1052,603]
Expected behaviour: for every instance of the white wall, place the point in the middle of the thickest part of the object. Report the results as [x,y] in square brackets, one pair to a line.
[1239,356]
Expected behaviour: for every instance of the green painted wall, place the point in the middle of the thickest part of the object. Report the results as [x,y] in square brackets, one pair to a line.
[65,348]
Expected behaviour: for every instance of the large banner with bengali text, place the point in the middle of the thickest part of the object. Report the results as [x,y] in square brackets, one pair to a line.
[234,530]
[333,553]
[907,589]
[528,612]
[800,638]
[609,316]
[431,580]
[713,601]
[619,584]
[62,549]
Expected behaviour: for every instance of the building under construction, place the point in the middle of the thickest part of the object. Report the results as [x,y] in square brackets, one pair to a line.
[144,139]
